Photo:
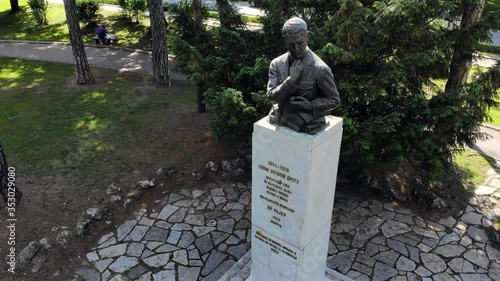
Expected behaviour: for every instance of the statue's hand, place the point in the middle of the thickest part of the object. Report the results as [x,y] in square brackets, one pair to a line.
[296,71]
[301,104]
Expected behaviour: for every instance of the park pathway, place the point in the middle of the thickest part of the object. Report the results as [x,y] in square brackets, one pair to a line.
[199,232]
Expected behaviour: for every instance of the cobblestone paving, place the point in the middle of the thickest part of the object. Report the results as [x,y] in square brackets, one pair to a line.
[199,234]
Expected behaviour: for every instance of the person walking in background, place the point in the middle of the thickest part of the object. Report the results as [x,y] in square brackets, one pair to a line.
[101,33]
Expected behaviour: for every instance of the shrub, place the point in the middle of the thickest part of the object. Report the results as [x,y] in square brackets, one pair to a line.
[233,117]
[39,9]
[87,11]
[133,8]
[488,48]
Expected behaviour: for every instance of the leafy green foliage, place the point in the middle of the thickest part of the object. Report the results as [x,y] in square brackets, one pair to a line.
[233,117]
[385,56]
[133,9]
[39,9]
[87,11]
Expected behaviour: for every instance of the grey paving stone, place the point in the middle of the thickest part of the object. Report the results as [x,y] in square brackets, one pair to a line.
[213,214]
[474,277]
[178,216]
[346,222]
[466,241]
[233,240]
[135,249]
[186,239]
[397,246]
[106,237]
[387,215]
[225,225]
[181,257]
[217,200]
[382,272]
[158,260]
[449,238]
[389,257]
[493,254]
[390,206]
[231,193]
[472,218]
[343,261]
[368,270]
[146,253]
[405,264]
[245,198]
[195,220]
[166,248]
[197,193]
[233,206]
[175,197]
[241,234]
[123,264]
[347,204]
[92,256]
[89,274]
[448,222]
[365,260]
[431,242]
[188,273]
[195,263]
[106,275]
[375,209]
[238,251]
[165,275]
[213,261]
[414,254]
[153,244]
[236,215]
[183,203]
[478,234]
[393,228]
[119,278]
[406,240]
[170,265]
[217,192]
[450,251]
[366,231]
[181,227]
[218,237]
[137,233]
[204,244]
[477,257]
[124,229]
[406,219]
[146,221]
[163,224]
[174,237]
[459,265]
[167,211]
[137,271]
[219,271]
[341,239]
[363,212]
[443,277]
[399,278]
[156,234]
[358,276]
[102,265]
[423,272]
[494,271]
[379,240]
[371,249]
[194,254]
[202,230]
[433,262]
[410,276]
[113,251]
[425,232]
[435,226]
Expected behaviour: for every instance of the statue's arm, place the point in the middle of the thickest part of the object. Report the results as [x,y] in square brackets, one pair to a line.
[328,94]
[276,92]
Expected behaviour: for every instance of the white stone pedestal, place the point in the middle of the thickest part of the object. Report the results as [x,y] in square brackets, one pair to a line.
[293,187]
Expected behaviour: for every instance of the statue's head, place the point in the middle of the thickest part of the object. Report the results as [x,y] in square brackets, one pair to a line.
[296,37]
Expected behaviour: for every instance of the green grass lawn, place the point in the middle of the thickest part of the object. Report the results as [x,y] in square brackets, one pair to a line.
[473,166]
[50,124]
[21,26]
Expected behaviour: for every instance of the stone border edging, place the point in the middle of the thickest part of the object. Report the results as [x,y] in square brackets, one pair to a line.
[491,126]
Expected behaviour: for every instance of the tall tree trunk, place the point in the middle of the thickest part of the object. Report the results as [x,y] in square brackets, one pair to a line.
[199,29]
[161,76]
[464,45]
[14,6]
[4,184]
[75,37]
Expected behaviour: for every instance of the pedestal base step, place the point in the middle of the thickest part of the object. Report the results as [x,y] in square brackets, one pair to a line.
[242,271]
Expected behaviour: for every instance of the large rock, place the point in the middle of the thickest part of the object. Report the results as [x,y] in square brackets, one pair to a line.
[96,213]
[113,189]
[28,253]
